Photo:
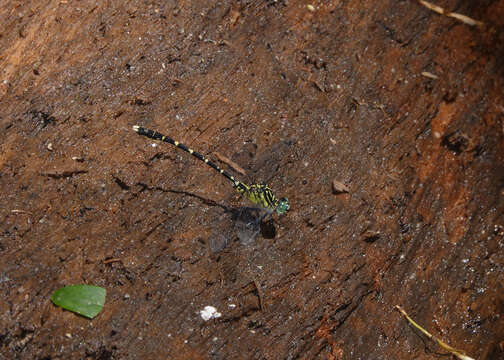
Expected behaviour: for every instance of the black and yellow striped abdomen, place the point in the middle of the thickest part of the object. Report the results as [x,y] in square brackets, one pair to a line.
[260,195]
[158,136]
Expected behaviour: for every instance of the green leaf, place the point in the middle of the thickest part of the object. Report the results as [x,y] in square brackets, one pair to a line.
[86,300]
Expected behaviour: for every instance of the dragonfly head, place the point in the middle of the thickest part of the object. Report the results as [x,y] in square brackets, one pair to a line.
[283,206]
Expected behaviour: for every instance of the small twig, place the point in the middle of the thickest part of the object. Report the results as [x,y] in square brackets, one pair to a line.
[259,295]
[230,163]
[429,75]
[458,353]
[16,211]
[108,261]
[438,9]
